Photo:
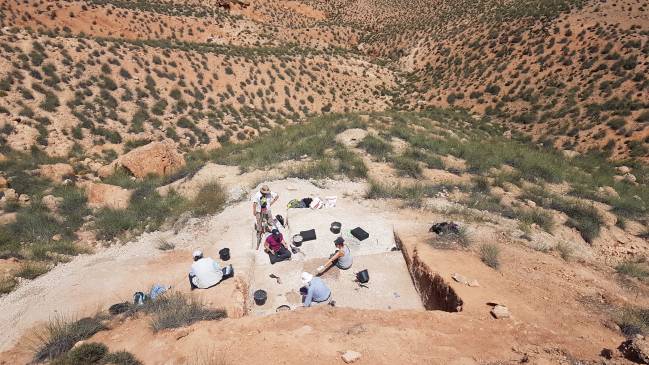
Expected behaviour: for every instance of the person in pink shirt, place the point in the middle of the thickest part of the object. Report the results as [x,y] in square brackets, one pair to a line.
[276,247]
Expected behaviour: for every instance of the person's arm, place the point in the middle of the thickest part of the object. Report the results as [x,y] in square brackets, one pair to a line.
[274,199]
[330,262]
[266,245]
[254,208]
[309,297]
[285,244]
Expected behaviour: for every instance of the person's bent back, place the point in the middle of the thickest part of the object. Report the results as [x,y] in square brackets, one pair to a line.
[206,272]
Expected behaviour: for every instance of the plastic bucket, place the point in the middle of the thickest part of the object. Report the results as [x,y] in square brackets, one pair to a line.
[224,254]
[363,276]
[260,297]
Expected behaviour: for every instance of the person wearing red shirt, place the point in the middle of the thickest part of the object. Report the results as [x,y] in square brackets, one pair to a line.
[276,247]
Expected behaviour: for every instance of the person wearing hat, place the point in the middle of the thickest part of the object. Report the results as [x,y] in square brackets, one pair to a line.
[342,258]
[276,247]
[206,272]
[261,203]
[315,290]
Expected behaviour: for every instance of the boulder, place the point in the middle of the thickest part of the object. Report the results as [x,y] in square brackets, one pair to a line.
[607,191]
[630,178]
[569,153]
[24,200]
[351,137]
[52,202]
[350,356]
[10,194]
[106,195]
[500,311]
[56,172]
[623,169]
[636,350]
[157,158]
[7,218]
[3,183]
[460,278]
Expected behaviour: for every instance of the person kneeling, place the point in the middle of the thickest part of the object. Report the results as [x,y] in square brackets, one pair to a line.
[342,258]
[206,272]
[315,291]
[276,247]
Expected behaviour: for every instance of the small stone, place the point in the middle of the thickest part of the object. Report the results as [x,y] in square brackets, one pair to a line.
[57,237]
[530,203]
[351,356]
[24,200]
[474,283]
[10,194]
[630,178]
[500,312]
[459,278]
[623,169]
[3,182]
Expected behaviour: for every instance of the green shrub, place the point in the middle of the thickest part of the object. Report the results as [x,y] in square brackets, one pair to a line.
[121,358]
[211,199]
[539,216]
[406,166]
[633,321]
[87,354]
[350,164]
[176,309]
[490,255]
[376,147]
[565,250]
[7,284]
[636,269]
[32,270]
[112,222]
[60,335]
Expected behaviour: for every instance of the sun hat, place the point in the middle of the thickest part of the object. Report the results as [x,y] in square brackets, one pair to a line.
[275,232]
[197,253]
[306,278]
[265,189]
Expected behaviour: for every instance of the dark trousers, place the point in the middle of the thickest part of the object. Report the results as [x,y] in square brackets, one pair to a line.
[281,255]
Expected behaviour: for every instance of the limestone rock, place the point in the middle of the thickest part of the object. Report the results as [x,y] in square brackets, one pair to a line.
[56,172]
[623,169]
[106,195]
[10,194]
[351,137]
[24,200]
[3,183]
[350,356]
[459,278]
[7,218]
[569,153]
[51,202]
[607,191]
[629,178]
[500,311]
[474,283]
[157,158]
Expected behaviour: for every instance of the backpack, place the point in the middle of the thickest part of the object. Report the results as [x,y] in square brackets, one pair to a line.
[157,290]
[140,298]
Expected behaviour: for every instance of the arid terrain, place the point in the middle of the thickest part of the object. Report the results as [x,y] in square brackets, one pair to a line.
[134,132]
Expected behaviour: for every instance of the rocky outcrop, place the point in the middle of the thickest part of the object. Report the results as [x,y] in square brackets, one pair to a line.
[56,172]
[636,350]
[155,158]
[106,195]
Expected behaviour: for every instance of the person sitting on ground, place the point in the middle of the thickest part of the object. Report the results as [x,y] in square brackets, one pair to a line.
[276,247]
[261,203]
[342,258]
[206,272]
[315,291]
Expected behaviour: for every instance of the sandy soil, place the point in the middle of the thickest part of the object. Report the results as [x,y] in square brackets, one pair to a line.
[556,307]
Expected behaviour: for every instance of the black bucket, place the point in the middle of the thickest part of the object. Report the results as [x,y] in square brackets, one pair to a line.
[297,240]
[260,297]
[224,254]
[363,276]
[335,227]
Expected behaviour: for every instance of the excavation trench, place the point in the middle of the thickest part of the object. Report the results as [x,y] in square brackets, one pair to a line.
[435,293]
